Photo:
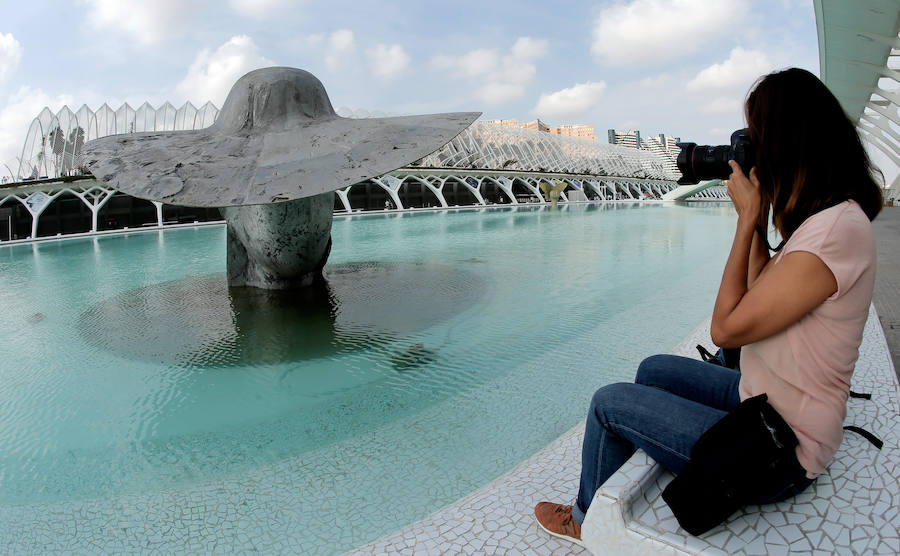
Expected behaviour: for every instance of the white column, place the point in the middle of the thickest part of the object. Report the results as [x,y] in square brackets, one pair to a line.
[95,207]
[159,213]
[474,190]
[345,200]
[391,185]
[505,185]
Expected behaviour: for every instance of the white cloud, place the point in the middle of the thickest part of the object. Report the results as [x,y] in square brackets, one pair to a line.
[518,67]
[730,104]
[498,77]
[148,22]
[212,74]
[659,30]
[10,55]
[570,102]
[498,93]
[724,85]
[387,61]
[260,9]
[341,45]
[312,40]
[338,47]
[473,64]
[15,118]
[661,80]
[527,48]
[736,73]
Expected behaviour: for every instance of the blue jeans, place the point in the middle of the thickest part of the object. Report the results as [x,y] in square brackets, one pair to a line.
[672,402]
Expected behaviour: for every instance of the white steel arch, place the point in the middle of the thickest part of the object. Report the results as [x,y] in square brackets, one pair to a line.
[39,196]
[859,55]
[7,175]
[464,181]
[437,190]
[505,185]
[92,193]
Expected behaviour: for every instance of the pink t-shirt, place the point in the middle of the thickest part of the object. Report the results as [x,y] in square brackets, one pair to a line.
[806,369]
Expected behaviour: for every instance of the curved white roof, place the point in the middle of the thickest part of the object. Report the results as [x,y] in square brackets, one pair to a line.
[859,59]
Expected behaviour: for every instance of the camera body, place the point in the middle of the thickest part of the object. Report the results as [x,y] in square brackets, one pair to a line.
[705,162]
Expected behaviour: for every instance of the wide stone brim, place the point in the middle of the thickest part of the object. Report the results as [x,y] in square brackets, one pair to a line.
[206,168]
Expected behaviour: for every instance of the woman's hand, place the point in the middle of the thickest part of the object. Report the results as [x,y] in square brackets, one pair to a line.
[744,194]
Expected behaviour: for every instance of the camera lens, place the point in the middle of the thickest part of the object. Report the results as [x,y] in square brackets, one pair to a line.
[712,162]
[706,162]
[685,163]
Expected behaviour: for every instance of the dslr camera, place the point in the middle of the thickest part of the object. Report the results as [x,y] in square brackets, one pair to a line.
[705,162]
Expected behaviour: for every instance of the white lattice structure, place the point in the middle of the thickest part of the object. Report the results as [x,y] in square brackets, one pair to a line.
[489,146]
[53,144]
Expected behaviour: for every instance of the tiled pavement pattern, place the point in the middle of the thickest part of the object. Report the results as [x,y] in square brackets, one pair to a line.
[887,278]
[497,518]
[853,508]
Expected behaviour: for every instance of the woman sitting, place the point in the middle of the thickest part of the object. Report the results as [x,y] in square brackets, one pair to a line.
[799,315]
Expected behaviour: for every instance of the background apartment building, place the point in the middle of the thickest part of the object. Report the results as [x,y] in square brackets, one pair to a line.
[575,130]
[661,144]
[537,125]
[570,130]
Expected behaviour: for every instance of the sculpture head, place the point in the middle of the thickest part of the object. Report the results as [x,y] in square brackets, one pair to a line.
[273,99]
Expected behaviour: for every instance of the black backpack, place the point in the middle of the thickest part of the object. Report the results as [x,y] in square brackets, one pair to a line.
[738,460]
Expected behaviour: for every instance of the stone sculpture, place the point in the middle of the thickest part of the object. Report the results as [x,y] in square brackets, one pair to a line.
[553,191]
[271,162]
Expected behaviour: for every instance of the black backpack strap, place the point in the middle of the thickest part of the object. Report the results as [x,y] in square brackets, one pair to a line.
[706,355]
[865,434]
[731,358]
[860,431]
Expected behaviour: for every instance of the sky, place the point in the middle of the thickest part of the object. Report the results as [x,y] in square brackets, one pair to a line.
[679,67]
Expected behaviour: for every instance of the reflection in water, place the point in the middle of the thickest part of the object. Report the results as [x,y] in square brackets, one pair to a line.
[225,380]
[273,326]
[199,322]
[416,355]
[36,318]
[146,380]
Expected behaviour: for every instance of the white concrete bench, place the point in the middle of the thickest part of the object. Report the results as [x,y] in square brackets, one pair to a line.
[853,508]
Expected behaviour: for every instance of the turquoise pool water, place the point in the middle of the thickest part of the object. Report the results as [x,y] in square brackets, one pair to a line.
[448,347]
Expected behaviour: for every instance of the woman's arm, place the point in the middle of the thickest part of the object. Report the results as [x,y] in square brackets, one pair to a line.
[759,250]
[779,297]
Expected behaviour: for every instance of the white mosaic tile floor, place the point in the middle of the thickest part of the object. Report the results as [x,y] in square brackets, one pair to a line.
[497,518]
[853,508]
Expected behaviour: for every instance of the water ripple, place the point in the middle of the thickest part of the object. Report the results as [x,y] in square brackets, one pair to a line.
[129,365]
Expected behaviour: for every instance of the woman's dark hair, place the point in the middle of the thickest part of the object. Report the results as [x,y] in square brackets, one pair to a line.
[808,154]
